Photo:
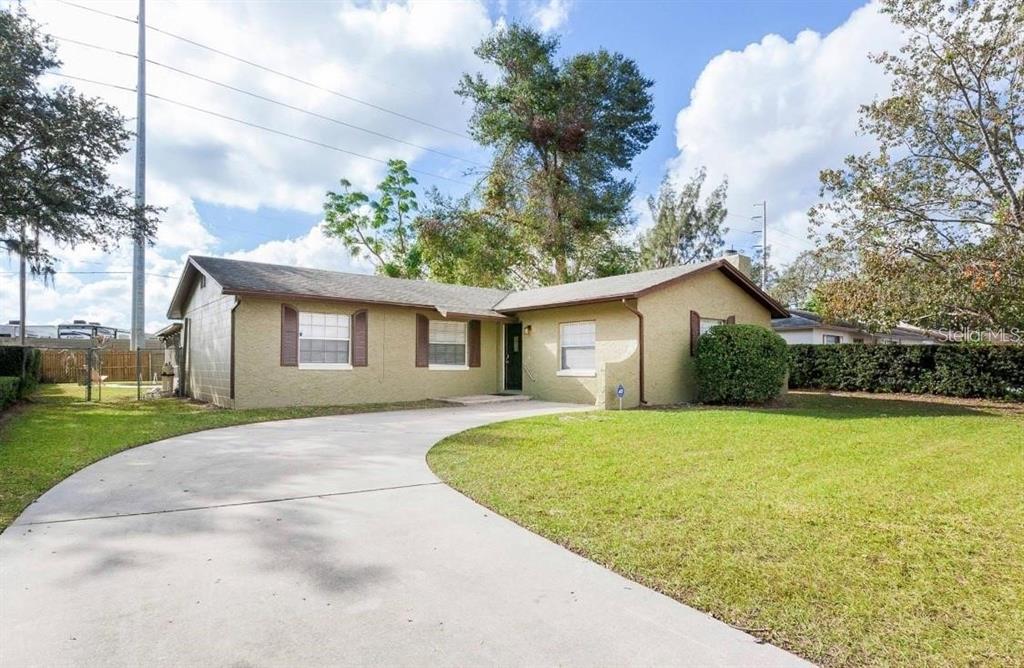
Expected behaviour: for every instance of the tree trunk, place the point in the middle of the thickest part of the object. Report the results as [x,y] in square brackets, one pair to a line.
[556,234]
[21,307]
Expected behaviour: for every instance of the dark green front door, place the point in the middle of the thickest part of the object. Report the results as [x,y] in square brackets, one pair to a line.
[514,357]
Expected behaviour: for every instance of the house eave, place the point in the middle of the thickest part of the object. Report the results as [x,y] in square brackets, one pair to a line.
[292,296]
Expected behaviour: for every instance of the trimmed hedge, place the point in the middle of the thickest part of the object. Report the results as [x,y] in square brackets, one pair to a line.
[740,364]
[8,390]
[958,370]
[10,366]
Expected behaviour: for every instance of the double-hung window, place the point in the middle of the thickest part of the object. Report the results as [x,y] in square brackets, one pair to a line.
[324,340]
[708,323]
[831,339]
[447,344]
[576,341]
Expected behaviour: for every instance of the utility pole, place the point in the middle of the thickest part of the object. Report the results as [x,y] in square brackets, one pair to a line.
[139,256]
[764,242]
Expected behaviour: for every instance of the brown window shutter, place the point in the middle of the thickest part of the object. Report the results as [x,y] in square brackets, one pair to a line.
[289,336]
[474,342]
[422,340]
[731,320]
[694,331]
[360,355]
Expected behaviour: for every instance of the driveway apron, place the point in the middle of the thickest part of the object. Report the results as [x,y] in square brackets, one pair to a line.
[315,542]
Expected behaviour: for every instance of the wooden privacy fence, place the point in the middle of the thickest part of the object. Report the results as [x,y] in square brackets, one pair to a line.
[69,366]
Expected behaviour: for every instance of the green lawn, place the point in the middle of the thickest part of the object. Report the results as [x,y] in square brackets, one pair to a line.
[852,531]
[57,434]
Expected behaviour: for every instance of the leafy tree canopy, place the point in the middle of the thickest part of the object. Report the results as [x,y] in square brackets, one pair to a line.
[380,228]
[685,230]
[933,220]
[56,147]
[563,132]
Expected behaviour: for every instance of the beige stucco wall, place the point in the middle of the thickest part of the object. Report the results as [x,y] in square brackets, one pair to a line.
[669,368]
[208,312]
[391,375]
[616,354]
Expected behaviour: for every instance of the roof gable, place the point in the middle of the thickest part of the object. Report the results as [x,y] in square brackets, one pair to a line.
[630,286]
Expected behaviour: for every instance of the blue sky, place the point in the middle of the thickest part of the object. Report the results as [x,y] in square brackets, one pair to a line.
[762,92]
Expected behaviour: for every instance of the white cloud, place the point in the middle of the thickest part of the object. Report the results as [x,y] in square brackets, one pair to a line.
[403,56]
[550,15]
[315,249]
[774,114]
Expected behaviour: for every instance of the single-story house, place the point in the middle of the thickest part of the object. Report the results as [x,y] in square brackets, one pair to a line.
[808,327]
[258,335]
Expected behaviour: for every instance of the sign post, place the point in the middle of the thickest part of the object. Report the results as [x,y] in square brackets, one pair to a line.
[620,392]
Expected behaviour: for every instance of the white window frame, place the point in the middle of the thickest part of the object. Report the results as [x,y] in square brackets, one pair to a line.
[465,345]
[825,339]
[575,373]
[335,366]
[709,322]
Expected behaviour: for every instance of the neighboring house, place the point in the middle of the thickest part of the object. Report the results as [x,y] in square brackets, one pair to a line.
[808,327]
[268,335]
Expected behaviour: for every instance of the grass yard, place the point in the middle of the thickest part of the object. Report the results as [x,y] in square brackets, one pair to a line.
[45,441]
[851,531]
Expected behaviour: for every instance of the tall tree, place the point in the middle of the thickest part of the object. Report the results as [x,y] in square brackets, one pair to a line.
[563,133]
[56,148]
[797,283]
[383,229]
[934,218]
[685,230]
[468,245]
[758,274]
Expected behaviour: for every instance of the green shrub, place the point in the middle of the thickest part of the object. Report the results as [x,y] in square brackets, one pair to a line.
[8,390]
[740,364]
[959,370]
[10,365]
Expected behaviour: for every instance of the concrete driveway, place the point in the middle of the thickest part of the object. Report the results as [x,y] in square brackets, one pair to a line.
[324,541]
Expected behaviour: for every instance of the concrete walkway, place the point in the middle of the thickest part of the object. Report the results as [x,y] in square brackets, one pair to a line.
[323,541]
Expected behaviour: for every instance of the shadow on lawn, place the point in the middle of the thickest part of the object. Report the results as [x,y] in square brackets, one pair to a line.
[840,406]
[844,407]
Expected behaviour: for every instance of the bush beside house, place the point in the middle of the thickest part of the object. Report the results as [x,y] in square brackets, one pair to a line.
[740,364]
[12,386]
[984,371]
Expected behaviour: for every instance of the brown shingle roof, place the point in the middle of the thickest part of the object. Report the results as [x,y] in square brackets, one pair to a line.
[256,278]
[628,286]
[253,278]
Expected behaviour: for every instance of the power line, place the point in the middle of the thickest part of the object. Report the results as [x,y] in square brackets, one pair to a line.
[271,100]
[261,127]
[12,273]
[99,11]
[279,73]
[127,89]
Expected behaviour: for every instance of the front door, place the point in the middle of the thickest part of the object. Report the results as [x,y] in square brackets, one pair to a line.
[514,357]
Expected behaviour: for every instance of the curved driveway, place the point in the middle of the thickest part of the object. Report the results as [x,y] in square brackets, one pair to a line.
[322,541]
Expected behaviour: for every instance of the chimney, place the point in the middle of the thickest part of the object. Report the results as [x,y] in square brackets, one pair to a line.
[740,261]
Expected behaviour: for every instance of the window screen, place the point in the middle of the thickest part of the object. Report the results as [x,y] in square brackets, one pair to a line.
[708,323]
[323,338]
[447,343]
[576,340]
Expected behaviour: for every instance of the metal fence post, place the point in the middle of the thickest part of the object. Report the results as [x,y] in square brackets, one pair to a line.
[88,374]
